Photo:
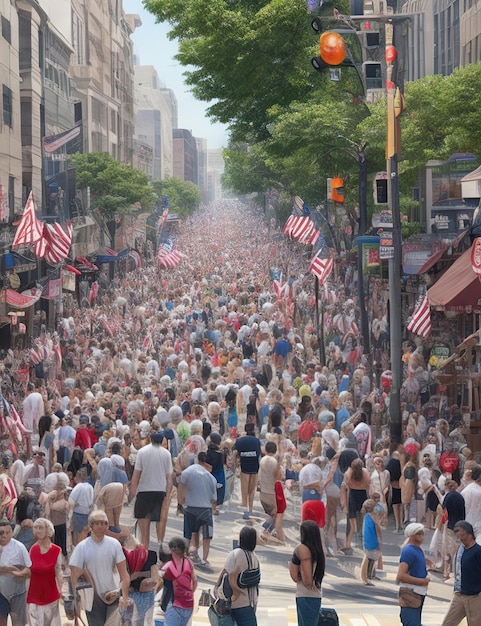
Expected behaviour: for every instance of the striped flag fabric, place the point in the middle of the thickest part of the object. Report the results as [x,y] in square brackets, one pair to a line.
[321,267]
[420,322]
[55,243]
[299,225]
[167,256]
[30,229]
[59,243]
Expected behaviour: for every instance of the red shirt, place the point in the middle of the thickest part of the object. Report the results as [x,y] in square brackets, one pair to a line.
[182,583]
[43,585]
[83,439]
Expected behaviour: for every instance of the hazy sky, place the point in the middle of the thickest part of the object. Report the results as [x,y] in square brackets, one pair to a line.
[153,48]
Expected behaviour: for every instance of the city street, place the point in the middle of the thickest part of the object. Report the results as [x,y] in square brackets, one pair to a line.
[356,604]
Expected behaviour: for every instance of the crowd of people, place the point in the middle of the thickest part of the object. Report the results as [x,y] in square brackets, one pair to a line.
[176,383]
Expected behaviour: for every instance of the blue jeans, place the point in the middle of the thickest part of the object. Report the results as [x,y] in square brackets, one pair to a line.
[175,616]
[245,616]
[411,617]
[308,611]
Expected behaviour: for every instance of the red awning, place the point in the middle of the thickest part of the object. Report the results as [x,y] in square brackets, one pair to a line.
[431,262]
[459,287]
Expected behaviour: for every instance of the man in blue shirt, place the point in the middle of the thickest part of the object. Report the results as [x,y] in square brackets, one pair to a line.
[466,602]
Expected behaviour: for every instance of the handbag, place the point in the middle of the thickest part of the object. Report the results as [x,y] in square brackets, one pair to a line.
[216,619]
[409,599]
[250,577]
[85,593]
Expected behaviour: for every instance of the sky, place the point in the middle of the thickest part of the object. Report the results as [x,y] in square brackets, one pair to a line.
[152,47]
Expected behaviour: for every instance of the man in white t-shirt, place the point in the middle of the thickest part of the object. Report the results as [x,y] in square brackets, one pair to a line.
[33,409]
[13,590]
[80,502]
[152,482]
[96,558]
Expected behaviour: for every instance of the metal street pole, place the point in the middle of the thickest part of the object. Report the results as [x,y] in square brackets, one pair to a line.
[394,109]
[362,182]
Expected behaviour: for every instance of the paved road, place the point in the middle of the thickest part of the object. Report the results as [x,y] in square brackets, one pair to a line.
[356,604]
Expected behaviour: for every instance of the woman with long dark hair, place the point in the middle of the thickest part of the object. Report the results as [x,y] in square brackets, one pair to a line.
[244,595]
[357,481]
[307,568]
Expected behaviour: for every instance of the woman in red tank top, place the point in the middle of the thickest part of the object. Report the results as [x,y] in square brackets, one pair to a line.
[46,579]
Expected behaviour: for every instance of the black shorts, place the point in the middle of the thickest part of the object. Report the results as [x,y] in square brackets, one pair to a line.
[396,495]
[197,519]
[148,504]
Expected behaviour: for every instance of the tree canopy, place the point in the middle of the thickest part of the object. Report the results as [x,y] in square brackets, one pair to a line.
[114,188]
[184,196]
[244,56]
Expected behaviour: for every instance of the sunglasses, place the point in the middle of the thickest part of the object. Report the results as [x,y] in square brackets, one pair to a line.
[101,522]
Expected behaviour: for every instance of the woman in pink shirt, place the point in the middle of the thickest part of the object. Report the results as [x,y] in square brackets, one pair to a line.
[181,572]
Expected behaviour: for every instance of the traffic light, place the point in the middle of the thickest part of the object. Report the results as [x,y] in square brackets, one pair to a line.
[338,47]
[380,188]
[335,189]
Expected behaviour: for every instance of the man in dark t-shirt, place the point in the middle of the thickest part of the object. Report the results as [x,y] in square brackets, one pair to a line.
[454,508]
[248,451]
[466,600]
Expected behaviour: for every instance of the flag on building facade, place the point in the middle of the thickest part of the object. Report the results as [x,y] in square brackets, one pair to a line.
[420,322]
[52,143]
[55,243]
[30,228]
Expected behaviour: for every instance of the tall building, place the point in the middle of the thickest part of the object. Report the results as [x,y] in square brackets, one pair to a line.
[102,77]
[202,167]
[215,168]
[11,150]
[155,112]
[185,155]
[442,36]
[60,136]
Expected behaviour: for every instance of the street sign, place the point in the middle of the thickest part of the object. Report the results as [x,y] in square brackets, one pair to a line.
[386,248]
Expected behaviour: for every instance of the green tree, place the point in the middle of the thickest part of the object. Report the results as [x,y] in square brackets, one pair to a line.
[244,56]
[184,196]
[114,188]
[443,116]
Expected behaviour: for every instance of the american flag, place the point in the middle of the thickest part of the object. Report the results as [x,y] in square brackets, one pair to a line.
[321,267]
[55,243]
[167,257]
[30,229]
[299,225]
[420,322]
[281,289]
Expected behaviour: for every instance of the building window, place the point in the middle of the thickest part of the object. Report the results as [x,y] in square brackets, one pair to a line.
[78,39]
[11,195]
[26,121]
[98,111]
[97,142]
[113,121]
[6,29]
[7,106]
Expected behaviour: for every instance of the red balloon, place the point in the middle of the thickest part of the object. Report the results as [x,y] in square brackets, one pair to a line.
[391,54]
